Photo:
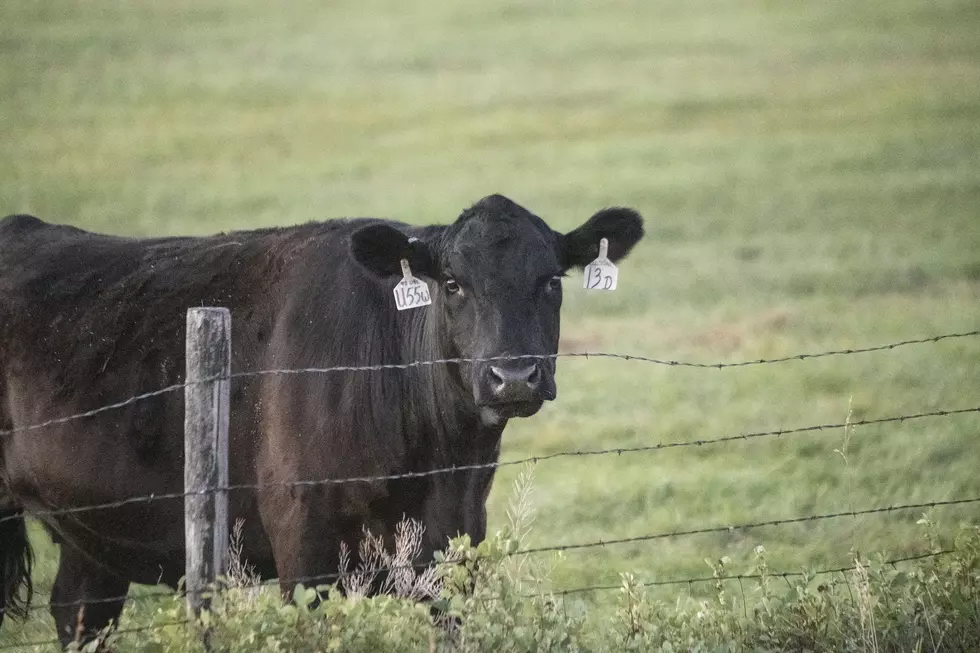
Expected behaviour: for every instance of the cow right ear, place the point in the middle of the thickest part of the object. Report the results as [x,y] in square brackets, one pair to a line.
[622,228]
[380,248]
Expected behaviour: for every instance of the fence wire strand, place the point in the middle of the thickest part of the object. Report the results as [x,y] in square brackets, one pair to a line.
[119,631]
[445,361]
[558,593]
[755,576]
[563,593]
[613,355]
[746,526]
[334,576]
[151,498]
[102,409]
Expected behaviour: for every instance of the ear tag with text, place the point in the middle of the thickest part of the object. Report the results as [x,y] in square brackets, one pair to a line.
[411,292]
[601,274]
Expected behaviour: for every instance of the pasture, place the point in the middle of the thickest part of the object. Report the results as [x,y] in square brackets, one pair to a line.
[809,175]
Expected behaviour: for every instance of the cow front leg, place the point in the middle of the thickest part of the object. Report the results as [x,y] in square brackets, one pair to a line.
[78,598]
[304,537]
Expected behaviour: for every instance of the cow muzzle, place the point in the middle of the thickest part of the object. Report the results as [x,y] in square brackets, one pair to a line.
[514,384]
[516,390]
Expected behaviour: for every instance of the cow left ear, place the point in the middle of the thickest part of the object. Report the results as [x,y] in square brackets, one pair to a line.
[623,228]
[380,248]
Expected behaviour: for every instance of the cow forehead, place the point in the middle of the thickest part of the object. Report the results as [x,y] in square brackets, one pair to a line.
[514,247]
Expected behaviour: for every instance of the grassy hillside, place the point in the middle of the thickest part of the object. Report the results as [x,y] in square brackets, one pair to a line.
[810,176]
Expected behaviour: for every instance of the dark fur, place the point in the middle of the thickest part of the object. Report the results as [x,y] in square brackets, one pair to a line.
[87,319]
[16,560]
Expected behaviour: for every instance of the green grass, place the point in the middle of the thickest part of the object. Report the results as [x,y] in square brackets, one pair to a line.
[810,176]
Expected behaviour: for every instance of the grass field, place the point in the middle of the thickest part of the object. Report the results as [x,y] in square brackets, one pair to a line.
[809,173]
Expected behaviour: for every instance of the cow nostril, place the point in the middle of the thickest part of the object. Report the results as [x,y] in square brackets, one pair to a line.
[497,375]
[534,378]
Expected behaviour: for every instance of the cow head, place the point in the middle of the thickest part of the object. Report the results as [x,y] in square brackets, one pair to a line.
[495,278]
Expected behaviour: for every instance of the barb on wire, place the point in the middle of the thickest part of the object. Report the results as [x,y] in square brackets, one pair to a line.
[771,574]
[446,361]
[738,527]
[150,498]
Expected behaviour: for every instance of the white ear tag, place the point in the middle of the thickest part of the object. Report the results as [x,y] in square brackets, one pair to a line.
[601,274]
[411,292]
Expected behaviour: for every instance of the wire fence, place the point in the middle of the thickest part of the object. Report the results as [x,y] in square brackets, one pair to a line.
[578,546]
[117,631]
[563,593]
[618,451]
[893,562]
[746,526]
[456,361]
[554,548]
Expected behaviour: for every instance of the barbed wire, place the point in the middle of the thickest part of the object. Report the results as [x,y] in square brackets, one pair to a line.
[443,361]
[102,409]
[333,576]
[113,633]
[738,527]
[560,593]
[726,577]
[151,498]
[624,357]
[530,459]
[670,534]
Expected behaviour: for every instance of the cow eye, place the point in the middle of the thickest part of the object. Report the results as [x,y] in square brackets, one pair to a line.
[451,286]
[554,283]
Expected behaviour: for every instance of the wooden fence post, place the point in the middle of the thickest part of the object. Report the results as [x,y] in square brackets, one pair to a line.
[206,405]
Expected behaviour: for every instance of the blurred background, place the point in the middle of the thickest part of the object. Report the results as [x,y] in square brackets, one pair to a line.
[809,173]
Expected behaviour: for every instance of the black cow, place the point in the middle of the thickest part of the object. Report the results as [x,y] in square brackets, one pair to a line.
[87,319]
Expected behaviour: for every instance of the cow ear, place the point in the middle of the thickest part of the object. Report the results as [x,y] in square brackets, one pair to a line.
[380,249]
[623,228]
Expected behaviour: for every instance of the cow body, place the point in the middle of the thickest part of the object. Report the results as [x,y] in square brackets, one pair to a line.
[87,320]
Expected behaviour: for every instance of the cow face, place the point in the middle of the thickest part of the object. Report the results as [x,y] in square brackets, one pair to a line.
[495,277]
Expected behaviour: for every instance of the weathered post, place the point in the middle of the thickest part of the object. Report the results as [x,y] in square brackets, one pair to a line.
[206,405]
